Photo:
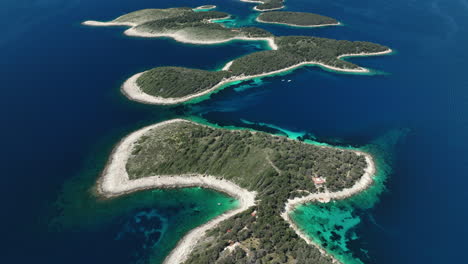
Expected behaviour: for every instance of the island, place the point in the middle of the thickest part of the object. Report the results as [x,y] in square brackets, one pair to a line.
[268,174]
[173,85]
[297,19]
[183,24]
[205,7]
[266,5]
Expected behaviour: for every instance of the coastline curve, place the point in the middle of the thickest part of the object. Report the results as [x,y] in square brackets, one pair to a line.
[364,182]
[301,26]
[115,181]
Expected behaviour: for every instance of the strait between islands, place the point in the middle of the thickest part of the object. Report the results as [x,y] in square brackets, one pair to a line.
[173,85]
[268,174]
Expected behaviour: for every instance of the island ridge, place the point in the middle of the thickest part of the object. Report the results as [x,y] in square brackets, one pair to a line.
[296,19]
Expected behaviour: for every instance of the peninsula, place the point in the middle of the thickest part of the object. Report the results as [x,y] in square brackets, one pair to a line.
[268,174]
[296,19]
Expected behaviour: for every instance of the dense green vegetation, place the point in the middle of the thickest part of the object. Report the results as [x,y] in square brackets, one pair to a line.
[276,167]
[170,82]
[296,49]
[291,51]
[296,18]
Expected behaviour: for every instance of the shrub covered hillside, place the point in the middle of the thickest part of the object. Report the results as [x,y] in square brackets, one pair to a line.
[275,167]
[167,82]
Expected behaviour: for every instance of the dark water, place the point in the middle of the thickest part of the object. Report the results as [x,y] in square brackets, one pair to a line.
[61,113]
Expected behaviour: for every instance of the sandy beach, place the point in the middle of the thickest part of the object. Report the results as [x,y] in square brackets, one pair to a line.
[294,25]
[184,38]
[93,23]
[365,54]
[264,10]
[131,89]
[227,66]
[115,182]
[178,36]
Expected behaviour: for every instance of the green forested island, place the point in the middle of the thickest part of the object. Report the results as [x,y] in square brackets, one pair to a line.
[292,50]
[275,167]
[296,19]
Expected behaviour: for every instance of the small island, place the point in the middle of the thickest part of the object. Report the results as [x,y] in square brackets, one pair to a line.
[205,7]
[173,85]
[268,174]
[183,24]
[296,19]
[266,5]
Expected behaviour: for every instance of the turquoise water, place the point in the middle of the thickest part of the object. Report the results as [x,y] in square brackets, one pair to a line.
[145,225]
[333,225]
[62,112]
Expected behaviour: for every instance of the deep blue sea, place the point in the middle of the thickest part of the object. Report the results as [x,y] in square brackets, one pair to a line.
[62,112]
